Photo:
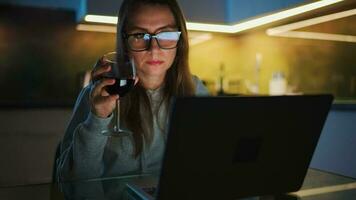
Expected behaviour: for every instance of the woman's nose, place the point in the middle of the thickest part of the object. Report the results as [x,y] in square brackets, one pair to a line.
[154,45]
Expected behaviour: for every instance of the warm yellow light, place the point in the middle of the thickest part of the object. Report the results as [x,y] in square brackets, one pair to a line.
[96,28]
[101,19]
[289,29]
[282,15]
[237,27]
[318,36]
[324,190]
[210,27]
[310,22]
[199,38]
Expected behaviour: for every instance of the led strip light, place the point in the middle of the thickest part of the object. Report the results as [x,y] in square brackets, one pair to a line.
[289,29]
[253,23]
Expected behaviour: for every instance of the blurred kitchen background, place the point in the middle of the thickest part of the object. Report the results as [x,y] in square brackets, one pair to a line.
[237,47]
[47,47]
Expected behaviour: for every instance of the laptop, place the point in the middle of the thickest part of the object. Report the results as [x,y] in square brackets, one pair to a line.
[237,147]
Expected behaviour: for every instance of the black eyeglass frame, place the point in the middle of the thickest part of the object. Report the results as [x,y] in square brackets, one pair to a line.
[148,46]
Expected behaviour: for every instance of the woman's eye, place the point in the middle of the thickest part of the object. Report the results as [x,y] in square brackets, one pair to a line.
[139,35]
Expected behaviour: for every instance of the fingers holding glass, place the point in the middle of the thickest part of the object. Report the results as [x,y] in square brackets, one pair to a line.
[101,86]
[100,69]
[102,102]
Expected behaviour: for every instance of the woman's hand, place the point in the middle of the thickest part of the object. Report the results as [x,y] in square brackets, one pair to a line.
[102,103]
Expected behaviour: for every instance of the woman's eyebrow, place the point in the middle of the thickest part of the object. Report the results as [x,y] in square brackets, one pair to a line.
[137,28]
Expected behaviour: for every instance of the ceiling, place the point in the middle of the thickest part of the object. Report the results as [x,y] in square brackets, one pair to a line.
[207,11]
[217,11]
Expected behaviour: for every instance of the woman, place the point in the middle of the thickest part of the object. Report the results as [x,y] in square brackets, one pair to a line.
[143,30]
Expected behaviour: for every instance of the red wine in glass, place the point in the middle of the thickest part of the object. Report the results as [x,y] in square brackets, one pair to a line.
[124,75]
[121,86]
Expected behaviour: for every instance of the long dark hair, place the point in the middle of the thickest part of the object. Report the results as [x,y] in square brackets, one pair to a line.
[136,110]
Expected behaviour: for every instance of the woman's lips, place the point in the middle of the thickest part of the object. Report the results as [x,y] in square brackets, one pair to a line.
[154,62]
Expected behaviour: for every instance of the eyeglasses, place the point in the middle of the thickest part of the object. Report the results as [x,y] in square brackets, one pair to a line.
[143,41]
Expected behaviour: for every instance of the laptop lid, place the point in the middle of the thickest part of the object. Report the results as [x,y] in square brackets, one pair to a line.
[231,147]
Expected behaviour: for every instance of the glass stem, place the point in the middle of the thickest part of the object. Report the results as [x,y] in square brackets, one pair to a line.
[117,116]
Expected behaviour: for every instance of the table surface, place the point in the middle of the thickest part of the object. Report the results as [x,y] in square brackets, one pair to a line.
[318,185]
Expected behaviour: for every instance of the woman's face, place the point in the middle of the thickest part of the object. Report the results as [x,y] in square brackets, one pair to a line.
[153,19]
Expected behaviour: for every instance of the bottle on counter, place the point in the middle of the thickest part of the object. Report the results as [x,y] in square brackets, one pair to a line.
[278,84]
[220,83]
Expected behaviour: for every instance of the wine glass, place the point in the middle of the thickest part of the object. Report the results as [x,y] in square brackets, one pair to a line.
[124,75]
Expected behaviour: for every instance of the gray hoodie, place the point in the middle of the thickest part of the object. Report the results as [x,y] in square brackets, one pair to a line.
[85,153]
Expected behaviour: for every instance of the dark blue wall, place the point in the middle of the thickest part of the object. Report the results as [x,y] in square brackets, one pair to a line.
[238,10]
[336,151]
